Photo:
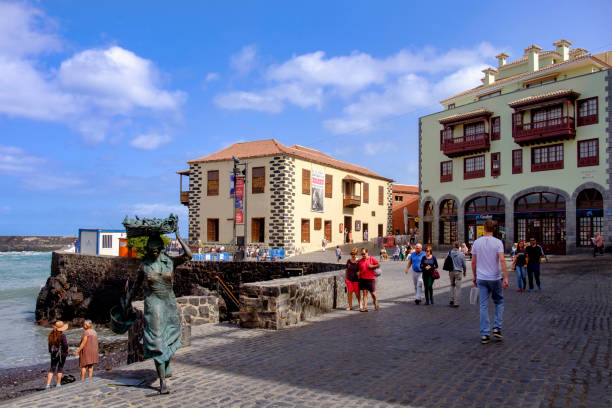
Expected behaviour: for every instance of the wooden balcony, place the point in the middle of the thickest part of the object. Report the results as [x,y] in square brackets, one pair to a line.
[351,201]
[460,146]
[185,197]
[544,131]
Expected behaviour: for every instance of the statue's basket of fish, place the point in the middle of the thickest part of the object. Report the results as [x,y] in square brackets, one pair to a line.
[142,227]
[119,322]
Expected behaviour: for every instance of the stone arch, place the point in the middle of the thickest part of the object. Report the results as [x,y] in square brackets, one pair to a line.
[422,202]
[459,226]
[588,185]
[509,220]
[541,189]
[575,244]
[484,193]
[570,212]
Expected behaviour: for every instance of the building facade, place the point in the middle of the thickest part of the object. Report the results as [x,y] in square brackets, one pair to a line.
[528,149]
[294,197]
[99,241]
[405,208]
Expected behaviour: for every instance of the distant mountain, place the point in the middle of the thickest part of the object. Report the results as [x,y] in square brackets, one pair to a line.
[39,244]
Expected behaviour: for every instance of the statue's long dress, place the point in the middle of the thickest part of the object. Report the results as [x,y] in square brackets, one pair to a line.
[162,331]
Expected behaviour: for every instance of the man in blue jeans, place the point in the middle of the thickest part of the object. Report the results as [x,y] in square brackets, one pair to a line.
[487,260]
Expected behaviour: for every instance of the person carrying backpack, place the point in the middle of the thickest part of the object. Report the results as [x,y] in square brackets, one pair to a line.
[58,350]
[455,265]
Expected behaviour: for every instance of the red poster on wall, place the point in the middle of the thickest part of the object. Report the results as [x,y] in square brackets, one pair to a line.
[239,188]
[239,217]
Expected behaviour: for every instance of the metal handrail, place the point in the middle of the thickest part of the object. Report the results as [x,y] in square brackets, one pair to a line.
[228,291]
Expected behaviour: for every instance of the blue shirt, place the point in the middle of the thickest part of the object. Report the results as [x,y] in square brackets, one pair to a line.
[416,260]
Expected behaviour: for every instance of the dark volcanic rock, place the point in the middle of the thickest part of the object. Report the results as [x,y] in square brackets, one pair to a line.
[41,244]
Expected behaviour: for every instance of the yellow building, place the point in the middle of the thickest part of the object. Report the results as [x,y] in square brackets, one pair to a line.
[294,197]
[527,148]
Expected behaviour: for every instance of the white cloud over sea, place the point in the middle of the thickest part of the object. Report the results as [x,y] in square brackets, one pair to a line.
[90,91]
[368,89]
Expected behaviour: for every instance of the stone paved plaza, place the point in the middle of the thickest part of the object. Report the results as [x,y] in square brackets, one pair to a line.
[556,353]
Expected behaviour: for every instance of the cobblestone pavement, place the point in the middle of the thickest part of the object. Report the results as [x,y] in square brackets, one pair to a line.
[556,353]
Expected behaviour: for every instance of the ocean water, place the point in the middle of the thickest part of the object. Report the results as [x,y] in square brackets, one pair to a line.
[22,274]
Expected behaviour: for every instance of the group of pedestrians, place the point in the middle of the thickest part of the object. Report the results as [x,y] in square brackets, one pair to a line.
[59,350]
[526,262]
[360,277]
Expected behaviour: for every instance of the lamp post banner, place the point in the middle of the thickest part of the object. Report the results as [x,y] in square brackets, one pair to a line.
[239,200]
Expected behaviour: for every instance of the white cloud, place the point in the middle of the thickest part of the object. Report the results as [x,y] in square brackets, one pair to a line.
[5,209]
[212,76]
[25,30]
[244,61]
[374,148]
[150,141]
[87,92]
[34,172]
[370,88]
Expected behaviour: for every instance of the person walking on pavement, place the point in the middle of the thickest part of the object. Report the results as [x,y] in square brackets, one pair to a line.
[534,254]
[455,275]
[518,263]
[338,253]
[487,260]
[429,264]
[414,261]
[351,277]
[367,279]
[598,245]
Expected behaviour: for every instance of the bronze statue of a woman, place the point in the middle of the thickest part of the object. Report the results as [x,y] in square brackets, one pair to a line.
[162,328]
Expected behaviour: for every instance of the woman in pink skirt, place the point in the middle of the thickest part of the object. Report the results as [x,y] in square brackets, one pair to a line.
[351,277]
[88,350]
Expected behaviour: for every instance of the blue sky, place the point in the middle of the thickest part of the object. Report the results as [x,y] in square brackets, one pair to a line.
[101,102]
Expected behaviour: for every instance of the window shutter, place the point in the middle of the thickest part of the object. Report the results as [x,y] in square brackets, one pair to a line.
[328,185]
[366,193]
[381,193]
[305,181]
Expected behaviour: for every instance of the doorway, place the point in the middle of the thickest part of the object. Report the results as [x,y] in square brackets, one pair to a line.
[348,233]
[365,232]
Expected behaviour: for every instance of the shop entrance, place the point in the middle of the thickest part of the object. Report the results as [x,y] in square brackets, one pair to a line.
[428,223]
[541,215]
[589,216]
[480,209]
[348,231]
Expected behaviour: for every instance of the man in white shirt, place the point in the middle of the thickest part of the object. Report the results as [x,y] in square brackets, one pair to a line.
[487,260]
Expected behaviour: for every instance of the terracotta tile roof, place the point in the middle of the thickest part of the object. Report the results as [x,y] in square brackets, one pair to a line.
[526,74]
[270,147]
[466,115]
[405,188]
[544,97]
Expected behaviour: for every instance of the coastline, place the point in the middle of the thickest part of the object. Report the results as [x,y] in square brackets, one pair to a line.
[18,381]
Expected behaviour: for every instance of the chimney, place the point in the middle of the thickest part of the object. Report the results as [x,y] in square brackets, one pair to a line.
[563,49]
[501,59]
[490,74]
[533,54]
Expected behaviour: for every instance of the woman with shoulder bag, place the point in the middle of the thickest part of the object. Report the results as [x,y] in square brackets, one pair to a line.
[519,263]
[58,350]
[88,349]
[351,277]
[429,264]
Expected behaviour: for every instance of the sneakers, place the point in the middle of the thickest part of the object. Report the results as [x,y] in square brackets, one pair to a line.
[48,387]
[58,385]
[450,303]
[417,301]
[539,288]
[485,339]
[498,334]
[529,290]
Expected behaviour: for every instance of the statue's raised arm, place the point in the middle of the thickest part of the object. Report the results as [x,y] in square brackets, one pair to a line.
[187,254]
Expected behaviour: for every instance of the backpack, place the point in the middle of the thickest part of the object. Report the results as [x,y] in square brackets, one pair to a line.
[56,352]
[448,263]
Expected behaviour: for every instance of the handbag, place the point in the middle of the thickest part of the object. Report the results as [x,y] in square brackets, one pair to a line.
[435,274]
[377,272]
[474,295]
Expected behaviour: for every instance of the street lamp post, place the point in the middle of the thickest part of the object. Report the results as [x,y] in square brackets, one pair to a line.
[238,173]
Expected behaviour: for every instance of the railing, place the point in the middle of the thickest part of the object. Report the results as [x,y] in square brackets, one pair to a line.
[458,146]
[352,200]
[185,197]
[543,129]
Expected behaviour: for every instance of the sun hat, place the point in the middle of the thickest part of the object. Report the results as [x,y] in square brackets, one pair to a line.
[60,326]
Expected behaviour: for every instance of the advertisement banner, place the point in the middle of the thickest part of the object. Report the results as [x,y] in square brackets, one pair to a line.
[317,189]
[239,190]
[232,184]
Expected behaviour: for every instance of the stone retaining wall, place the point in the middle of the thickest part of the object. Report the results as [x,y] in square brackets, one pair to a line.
[281,303]
[87,286]
[193,311]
